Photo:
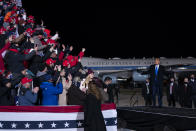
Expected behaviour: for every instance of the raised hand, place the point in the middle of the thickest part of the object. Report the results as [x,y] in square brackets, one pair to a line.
[83,49]
[59,68]
[71,48]
[69,77]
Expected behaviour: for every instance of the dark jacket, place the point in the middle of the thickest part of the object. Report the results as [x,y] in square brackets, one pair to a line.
[37,61]
[185,95]
[93,117]
[144,90]
[110,93]
[75,96]
[156,80]
[50,93]
[5,96]
[15,61]
[28,98]
[193,87]
[159,77]
[174,90]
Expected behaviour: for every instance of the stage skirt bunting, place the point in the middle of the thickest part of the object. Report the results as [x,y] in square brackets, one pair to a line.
[58,118]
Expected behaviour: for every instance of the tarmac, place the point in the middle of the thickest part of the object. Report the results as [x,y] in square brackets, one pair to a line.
[133,97]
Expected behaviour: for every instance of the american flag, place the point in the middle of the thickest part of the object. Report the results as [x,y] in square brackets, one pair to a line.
[41,118]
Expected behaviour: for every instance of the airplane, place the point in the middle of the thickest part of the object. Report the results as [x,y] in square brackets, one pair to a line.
[124,69]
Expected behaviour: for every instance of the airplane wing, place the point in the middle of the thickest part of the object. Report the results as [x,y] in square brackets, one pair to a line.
[172,67]
[144,70]
[110,73]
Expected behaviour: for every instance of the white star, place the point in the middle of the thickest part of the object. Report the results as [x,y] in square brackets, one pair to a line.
[40,125]
[1,125]
[53,125]
[79,124]
[66,124]
[27,125]
[105,122]
[115,121]
[14,125]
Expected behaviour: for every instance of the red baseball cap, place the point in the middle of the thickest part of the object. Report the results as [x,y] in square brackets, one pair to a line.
[50,61]
[26,80]
[31,17]
[47,31]
[29,31]
[65,63]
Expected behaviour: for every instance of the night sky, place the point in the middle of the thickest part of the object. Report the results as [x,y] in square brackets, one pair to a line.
[120,32]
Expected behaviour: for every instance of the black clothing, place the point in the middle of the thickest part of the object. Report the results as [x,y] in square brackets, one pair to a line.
[5,96]
[38,61]
[75,96]
[172,94]
[110,93]
[15,61]
[156,79]
[147,94]
[192,84]
[156,82]
[93,117]
[185,95]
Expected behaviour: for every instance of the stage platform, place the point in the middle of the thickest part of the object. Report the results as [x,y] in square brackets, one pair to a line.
[148,118]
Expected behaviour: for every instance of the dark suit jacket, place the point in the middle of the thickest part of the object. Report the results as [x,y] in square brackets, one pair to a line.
[193,87]
[174,89]
[144,90]
[185,94]
[159,77]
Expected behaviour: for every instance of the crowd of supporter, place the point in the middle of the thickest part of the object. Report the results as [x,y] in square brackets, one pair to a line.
[35,69]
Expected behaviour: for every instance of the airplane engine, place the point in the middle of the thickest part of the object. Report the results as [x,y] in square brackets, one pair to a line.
[114,78]
[138,77]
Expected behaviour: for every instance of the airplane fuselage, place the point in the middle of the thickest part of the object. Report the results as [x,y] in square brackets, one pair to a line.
[115,65]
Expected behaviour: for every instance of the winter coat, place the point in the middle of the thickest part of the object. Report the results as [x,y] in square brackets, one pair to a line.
[50,93]
[5,96]
[104,95]
[185,95]
[15,60]
[110,93]
[63,96]
[93,117]
[193,87]
[75,96]
[1,58]
[36,61]
[28,99]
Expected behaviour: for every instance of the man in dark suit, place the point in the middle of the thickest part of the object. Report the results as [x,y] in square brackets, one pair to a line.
[109,88]
[147,93]
[192,84]
[185,94]
[156,73]
[171,92]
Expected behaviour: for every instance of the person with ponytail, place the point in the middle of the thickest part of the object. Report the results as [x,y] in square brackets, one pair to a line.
[93,117]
